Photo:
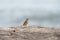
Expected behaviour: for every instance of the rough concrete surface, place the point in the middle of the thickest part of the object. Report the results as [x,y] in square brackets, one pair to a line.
[29,33]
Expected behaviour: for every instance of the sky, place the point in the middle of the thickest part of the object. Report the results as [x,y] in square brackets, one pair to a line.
[13,12]
[30,3]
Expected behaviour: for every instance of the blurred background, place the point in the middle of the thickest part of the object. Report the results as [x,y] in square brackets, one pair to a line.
[40,12]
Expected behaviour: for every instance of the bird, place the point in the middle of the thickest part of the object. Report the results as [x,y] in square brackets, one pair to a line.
[26,22]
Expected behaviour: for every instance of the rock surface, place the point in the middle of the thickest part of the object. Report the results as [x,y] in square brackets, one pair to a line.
[29,33]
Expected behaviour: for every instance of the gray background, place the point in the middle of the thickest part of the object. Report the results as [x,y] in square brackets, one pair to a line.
[40,12]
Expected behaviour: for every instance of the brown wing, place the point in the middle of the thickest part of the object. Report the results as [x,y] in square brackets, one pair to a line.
[26,22]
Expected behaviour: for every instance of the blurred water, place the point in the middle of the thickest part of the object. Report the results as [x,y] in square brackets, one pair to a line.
[40,12]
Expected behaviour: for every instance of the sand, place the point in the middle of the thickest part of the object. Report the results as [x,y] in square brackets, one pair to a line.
[29,33]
